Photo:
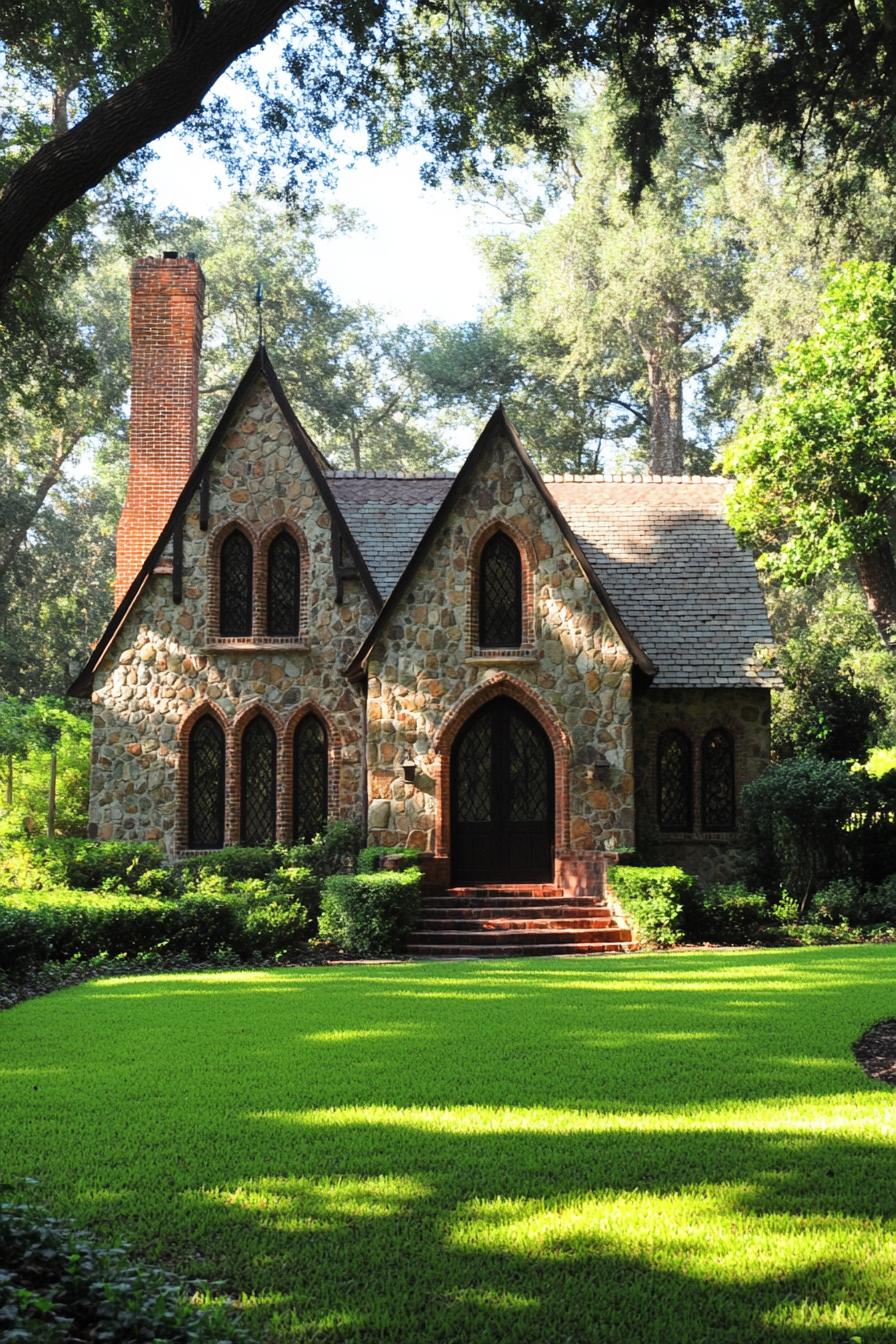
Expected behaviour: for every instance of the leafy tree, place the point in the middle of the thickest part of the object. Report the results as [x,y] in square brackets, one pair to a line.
[816,461]
[839,697]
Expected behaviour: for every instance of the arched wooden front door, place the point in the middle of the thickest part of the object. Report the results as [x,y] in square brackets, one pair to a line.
[502,798]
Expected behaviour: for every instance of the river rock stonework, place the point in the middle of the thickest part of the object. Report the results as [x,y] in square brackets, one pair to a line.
[168,663]
[426,674]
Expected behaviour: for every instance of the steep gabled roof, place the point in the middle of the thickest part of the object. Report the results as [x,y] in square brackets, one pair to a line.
[313,459]
[499,426]
[669,557]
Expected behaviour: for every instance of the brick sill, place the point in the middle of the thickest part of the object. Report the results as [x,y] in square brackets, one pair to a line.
[257,645]
[481,659]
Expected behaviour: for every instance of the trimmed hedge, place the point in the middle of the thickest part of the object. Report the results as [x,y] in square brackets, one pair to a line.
[251,918]
[56,1286]
[731,910]
[654,899]
[88,864]
[370,914]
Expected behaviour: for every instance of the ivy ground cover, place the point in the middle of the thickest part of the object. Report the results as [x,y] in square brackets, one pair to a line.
[664,1148]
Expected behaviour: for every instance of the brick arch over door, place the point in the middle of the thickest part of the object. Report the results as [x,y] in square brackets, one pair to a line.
[530,700]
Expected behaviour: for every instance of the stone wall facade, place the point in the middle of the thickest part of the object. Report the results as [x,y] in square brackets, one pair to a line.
[745,714]
[169,664]
[427,675]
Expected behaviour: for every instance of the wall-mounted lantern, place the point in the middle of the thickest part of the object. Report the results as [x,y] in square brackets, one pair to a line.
[409,766]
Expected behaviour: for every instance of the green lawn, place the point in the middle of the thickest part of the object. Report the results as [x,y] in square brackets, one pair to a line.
[665,1148]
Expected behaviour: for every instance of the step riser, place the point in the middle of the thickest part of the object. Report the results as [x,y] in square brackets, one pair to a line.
[515,912]
[499,922]
[530,950]
[483,937]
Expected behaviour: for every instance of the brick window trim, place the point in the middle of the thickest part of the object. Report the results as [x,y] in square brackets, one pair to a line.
[284,727]
[260,539]
[501,684]
[528,565]
[694,736]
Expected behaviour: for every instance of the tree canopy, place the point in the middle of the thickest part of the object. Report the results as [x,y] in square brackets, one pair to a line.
[816,460]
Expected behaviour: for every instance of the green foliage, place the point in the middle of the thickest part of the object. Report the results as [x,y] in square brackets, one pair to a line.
[654,899]
[370,914]
[815,462]
[731,909]
[800,822]
[881,761]
[839,691]
[245,918]
[89,864]
[369,858]
[57,1285]
[30,772]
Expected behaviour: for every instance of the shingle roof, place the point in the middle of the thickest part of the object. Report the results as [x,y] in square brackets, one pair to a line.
[672,564]
[388,516]
[661,546]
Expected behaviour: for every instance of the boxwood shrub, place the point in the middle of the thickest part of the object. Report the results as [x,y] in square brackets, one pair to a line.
[654,899]
[370,914]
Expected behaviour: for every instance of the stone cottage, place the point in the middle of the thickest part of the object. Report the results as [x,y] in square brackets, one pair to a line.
[517,674]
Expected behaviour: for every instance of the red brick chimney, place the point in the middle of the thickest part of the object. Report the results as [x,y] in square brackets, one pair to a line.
[166,337]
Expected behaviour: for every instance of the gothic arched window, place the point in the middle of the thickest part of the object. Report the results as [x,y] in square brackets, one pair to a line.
[259,784]
[674,782]
[283,586]
[309,778]
[500,594]
[717,781]
[205,789]
[236,585]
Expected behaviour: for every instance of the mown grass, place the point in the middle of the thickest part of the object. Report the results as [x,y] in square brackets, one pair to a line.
[662,1149]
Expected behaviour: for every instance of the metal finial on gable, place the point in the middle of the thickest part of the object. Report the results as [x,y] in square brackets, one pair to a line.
[259,302]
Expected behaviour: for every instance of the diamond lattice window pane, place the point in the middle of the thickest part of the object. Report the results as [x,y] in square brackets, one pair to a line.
[474,772]
[717,773]
[675,782]
[206,786]
[283,586]
[259,770]
[528,772]
[309,778]
[500,595]
[236,585]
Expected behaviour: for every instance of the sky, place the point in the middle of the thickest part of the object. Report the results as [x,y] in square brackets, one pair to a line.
[391,264]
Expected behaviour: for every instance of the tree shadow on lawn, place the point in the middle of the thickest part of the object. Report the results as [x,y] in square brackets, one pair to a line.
[657,1150]
[401,1233]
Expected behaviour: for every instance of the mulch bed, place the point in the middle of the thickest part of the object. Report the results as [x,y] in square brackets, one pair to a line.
[876,1051]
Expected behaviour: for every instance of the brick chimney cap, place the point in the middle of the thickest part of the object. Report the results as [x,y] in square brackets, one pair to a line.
[169,256]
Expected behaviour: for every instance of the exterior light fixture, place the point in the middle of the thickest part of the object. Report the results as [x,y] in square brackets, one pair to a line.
[409,766]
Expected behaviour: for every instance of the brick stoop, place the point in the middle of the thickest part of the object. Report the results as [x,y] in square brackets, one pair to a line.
[514,921]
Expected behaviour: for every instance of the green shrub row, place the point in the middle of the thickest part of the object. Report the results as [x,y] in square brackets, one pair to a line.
[369,859]
[372,913]
[57,1286]
[254,917]
[654,899]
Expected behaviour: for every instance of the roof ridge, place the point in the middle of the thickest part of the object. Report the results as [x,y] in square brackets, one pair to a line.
[338,473]
[630,478]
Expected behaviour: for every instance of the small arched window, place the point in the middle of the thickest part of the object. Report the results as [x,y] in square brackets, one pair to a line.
[717,781]
[283,586]
[500,594]
[674,782]
[236,585]
[309,778]
[259,784]
[205,802]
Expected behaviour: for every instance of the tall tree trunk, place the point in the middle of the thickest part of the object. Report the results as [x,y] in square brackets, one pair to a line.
[11,544]
[877,575]
[666,432]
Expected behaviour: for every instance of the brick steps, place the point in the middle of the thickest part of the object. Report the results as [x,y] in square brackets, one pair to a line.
[512,921]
